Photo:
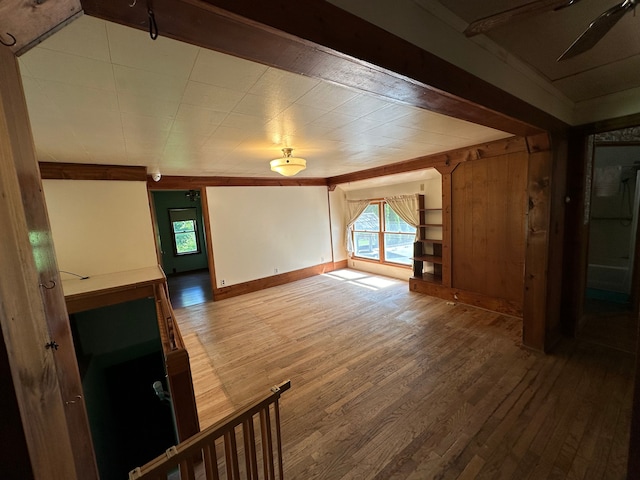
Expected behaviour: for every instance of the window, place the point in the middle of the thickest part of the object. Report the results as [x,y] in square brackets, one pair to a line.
[380,234]
[184,229]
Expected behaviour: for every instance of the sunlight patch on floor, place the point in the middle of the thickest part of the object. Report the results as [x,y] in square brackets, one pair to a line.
[362,279]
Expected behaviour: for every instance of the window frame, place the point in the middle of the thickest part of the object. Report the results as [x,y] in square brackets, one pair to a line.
[193,216]
[380,203]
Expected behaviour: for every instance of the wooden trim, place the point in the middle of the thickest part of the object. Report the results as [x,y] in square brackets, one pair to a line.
[452,157]
[83,171]
[112,288]
[91,300]
[499,305]
[330,224]
[447,192]
[607,125]
[553,320]
[275,280]
[576,240]
[320,40]
[193,183]
[206,218]
[183,396]
[539,143]
[340,264]
[156,230]
[633,467]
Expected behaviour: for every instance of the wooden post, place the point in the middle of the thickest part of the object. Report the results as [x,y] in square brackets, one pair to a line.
[23,253]
[446,172]
[535,282]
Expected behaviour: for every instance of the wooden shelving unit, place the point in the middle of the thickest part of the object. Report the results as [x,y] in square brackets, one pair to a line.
[427,251]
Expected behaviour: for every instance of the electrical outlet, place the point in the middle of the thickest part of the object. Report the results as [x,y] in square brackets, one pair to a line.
[275,270]
[321,259]
[222,282]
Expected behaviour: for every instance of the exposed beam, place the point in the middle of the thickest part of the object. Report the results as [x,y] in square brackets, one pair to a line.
[188,183]
[82,171]
[452,157]
[29,23]
[315,38]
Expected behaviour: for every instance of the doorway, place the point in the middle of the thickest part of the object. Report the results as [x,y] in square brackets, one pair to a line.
[182,245]
[613,222]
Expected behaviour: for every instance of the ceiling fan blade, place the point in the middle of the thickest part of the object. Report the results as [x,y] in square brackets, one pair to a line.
[597,29]
[528,10]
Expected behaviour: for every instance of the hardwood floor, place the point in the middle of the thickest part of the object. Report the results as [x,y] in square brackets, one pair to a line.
[389,384]
[191,288]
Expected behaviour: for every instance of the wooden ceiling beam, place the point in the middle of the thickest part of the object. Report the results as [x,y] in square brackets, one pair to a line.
[317,39]
[24,24]
[438,160]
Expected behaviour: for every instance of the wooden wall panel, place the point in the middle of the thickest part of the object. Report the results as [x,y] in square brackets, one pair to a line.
[488,226]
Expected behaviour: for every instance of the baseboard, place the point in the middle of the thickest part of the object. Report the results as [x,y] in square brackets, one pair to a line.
[499,305]
[275,280]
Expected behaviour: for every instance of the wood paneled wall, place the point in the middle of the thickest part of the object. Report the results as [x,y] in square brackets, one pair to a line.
[489,206]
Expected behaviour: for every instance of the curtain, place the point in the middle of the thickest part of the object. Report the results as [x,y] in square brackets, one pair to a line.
[354,210]
[406,206]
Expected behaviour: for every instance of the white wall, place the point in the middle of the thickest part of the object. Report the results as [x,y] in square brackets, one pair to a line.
[256,230]
[338,224]
[431,188]
[100,226]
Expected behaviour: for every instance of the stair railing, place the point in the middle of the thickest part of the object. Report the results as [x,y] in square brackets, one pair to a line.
[229,449]
[177,366]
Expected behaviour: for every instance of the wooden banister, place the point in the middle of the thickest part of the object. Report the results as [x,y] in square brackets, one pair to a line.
[177,366]
[225,436]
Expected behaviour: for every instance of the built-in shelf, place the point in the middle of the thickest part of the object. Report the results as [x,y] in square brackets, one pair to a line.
[428,258]
[427,252]
[429,277]
[430,240]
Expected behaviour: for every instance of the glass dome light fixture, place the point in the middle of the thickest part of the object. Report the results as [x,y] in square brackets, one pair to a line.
[288,165]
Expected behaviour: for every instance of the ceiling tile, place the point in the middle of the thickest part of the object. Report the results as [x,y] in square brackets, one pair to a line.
[190,111]
[142,83]
[69,98]
[94,42]
[135,49]
[158,107]
[327,96]
[283,86]
[197,120]
[258,106]
[210,96]
[361,106]
[62,67]
[215,68]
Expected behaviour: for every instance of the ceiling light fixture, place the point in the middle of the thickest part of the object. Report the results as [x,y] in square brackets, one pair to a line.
[288,165]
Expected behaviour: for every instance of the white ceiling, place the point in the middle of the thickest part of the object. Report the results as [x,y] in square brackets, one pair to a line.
[102,93]
[610,67]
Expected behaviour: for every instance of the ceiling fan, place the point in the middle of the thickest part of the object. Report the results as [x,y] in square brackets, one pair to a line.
[587,40]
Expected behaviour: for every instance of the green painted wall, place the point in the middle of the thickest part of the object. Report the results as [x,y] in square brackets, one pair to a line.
[163,201]
[120,356]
